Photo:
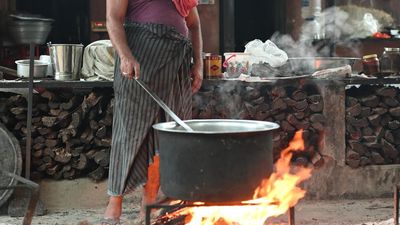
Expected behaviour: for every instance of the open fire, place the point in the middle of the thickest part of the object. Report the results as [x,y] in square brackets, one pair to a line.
[272,198]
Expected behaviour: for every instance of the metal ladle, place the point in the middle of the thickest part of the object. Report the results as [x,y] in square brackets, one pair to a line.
[164,106]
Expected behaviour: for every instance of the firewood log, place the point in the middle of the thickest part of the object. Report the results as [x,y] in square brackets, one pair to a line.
[395,111]
[18,110]
[51,143]
[43,130]
[49,121]
[365,112]
[364,161]
[351,101]
[390,92]
[81,163]
[102,157]
[53,105]
[62,156]
[389,149]
[49,152]
[353,159]
[94,125]
[377,158]
[299,95]
[316,107]
[97,174]
[317,160]
[393,125]
[370,101]
[358,147]
[48,95]
[278,91]
[38,146]
[391,102]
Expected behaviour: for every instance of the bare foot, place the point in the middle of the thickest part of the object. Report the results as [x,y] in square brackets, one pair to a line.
[114,208]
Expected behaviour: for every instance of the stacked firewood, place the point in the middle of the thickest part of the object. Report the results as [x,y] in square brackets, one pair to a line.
[372,126]
[294,108]
[71,133]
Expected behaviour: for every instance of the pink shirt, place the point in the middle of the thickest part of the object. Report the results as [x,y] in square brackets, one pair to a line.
[156,11]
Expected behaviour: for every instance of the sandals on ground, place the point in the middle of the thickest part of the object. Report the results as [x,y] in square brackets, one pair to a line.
[110,221]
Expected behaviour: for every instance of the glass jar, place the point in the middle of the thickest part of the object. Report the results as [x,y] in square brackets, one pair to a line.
[371,64]
[390,60]
[212,66]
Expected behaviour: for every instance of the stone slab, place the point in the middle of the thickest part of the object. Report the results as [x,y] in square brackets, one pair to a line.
[73,194]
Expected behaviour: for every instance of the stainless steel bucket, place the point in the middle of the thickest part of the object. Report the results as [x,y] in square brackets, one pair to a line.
[66,60]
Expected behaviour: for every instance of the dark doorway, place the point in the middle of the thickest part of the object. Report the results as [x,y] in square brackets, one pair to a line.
[243,21]
[72,19]
[254,20]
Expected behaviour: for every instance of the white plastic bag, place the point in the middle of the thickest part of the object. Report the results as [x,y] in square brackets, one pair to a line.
[266,52]
[370,24]
[366,27]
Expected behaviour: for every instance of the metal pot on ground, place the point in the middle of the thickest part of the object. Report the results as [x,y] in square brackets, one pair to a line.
[221,161]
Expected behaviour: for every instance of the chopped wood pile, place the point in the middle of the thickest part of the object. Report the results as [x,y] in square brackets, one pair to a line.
[71,133]
[294,108]
[372,126]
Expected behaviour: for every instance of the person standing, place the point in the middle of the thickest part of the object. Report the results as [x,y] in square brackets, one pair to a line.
[160,43]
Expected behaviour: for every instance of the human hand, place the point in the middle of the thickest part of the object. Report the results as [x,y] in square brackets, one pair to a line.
[130,67]
[197,77]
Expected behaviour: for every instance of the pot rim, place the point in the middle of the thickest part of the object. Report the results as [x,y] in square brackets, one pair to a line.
[26,62]
[67,45]
[258,126]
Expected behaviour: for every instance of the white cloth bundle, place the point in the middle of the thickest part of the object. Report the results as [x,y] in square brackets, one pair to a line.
[99,61]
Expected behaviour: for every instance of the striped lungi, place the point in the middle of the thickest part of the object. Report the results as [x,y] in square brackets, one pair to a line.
[164,56]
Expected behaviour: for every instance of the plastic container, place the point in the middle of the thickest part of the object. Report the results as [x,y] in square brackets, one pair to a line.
[47,59]
[236,63]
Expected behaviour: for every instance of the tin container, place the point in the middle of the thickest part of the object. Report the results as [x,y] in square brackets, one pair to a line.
[212,66]
[371,64]
[39,68]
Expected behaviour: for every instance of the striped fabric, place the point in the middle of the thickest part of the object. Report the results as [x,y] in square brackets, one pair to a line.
[164,56]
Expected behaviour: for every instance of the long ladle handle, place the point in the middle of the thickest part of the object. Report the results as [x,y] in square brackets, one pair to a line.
[164,106]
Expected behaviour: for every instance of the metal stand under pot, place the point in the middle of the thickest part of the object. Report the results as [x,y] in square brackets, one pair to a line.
[30,31]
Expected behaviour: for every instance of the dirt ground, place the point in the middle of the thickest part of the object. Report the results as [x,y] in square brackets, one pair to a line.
[340,212]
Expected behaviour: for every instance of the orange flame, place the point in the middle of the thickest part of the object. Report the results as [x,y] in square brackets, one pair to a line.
[272,198]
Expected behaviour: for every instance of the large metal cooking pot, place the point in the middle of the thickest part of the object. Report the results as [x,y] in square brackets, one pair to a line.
[221,161]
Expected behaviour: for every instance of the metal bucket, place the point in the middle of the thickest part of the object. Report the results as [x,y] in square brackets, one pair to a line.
[66,60]
[221,161]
